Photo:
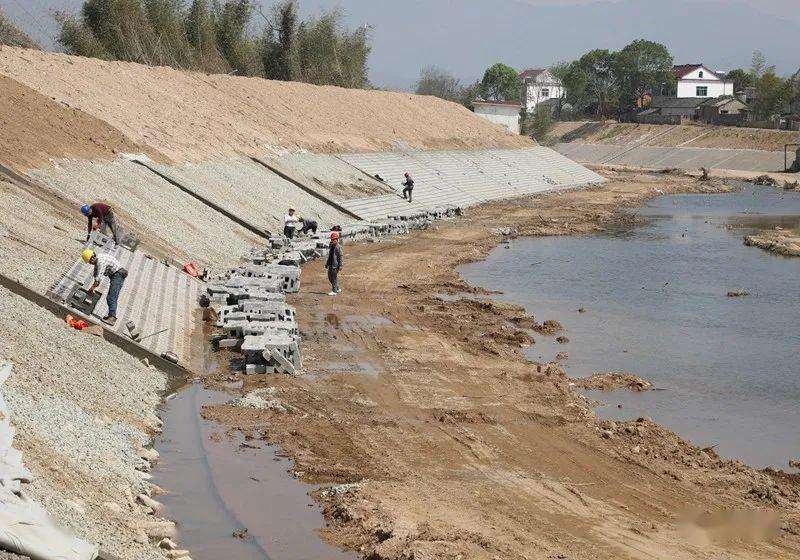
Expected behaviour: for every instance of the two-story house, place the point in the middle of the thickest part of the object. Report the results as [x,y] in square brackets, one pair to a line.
[539,85]
[697,80]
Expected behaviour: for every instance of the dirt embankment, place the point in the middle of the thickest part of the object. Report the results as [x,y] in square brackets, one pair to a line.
[778,241]
[34,129]
[193,116]
[458,447]
[690,135]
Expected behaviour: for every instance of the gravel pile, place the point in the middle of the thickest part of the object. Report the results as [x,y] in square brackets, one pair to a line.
[26,221]
[83,408]
[253,193]
[163,216]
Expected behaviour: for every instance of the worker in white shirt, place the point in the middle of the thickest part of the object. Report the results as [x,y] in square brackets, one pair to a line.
[290,222]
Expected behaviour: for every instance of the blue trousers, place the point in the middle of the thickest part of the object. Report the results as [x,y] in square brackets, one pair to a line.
[114,288]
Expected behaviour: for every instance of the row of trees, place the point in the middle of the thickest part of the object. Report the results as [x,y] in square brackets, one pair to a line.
[215,36]
[499,83]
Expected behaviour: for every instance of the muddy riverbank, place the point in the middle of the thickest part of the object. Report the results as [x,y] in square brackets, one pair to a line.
[778,241]
[454,444]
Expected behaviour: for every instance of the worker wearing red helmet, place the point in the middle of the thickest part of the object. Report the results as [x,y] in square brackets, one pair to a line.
[334,263]
[409,186]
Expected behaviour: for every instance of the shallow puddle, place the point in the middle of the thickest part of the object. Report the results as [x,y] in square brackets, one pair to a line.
[656,305]
[220,486]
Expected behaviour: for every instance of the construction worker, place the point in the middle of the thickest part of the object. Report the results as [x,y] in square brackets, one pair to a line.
[105,219]
[290,222]
[308,225]
[409,186]
[334,263]
[106,264]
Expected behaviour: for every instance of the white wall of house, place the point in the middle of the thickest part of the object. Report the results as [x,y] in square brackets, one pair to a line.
[506,115]
[702,82]
[541,88]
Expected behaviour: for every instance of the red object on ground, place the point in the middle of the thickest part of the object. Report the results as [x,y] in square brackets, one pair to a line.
[191,269]
[78,324]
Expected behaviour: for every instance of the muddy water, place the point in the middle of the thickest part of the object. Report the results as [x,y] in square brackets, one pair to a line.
[219,486]
[656,305]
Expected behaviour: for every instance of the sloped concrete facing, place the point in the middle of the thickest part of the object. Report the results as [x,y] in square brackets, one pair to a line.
[688,158]
[464,177]
[159,299]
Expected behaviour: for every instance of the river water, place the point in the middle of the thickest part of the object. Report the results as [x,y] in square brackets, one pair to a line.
[656,305]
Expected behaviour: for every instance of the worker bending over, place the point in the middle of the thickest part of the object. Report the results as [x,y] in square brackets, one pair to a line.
[308,225]
[409,186]
[334,263]
[105,219]
[290,222]
[106,264]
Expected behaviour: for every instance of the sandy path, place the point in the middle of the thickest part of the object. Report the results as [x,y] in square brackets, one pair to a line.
[462,448]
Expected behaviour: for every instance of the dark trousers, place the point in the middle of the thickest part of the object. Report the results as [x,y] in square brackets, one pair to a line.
[114,288]
[333,278]
[288,231]
[408,190]
[309,226]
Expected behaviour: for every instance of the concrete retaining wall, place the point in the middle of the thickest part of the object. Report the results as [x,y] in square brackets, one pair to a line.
[681,158]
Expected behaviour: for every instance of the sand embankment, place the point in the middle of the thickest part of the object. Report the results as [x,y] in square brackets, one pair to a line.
[688,135]
[193,116]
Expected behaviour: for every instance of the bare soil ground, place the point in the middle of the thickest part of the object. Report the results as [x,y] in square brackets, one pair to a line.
[461,448]
[34,129]
[193,116]
[695,136]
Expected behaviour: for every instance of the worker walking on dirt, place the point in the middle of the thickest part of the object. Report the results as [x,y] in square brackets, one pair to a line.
[106,264]
[290,222]
[105,219]
[334,263]
[308,225]
[409,186]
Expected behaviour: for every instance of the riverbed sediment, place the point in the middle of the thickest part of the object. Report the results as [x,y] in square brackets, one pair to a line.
[443,441]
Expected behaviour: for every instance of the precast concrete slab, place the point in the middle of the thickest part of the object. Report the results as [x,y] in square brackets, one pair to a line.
[332,176]
[168,219]
[159,299]
[253,192]
[466,177]
[688,158]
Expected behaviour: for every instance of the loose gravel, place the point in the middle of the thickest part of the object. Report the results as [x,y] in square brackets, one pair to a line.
[83,408]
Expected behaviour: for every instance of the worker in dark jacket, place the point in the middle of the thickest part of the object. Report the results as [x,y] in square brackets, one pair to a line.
[105,219]
[308,225]
[334,263]
[409,186]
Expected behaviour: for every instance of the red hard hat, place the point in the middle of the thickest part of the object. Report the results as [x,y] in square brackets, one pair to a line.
[334,235]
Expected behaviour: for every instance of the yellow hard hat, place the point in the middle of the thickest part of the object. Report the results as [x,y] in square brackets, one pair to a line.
[87,255]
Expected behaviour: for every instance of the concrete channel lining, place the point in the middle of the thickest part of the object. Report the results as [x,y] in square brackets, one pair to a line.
[159,299]
[679,157]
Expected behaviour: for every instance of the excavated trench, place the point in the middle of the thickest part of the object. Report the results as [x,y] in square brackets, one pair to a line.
[230,497]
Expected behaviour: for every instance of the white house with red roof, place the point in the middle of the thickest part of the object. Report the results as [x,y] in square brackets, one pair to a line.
[539,85]
[697,80]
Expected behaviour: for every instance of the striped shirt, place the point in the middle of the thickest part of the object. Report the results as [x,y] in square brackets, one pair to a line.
[105,264]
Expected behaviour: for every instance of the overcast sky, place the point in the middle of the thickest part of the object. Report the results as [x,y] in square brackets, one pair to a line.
[466,36]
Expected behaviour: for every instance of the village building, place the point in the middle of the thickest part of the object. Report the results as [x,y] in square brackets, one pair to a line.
[505,113]
[697,80]
[539,86]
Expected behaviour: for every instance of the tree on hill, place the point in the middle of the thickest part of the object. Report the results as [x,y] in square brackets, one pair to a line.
[592,83]
[216,36]
[439,83]
[643,67]
[11,35]
[740,78]
[501,83]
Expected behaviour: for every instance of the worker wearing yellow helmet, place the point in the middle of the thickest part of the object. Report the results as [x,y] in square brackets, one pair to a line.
[106,264]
